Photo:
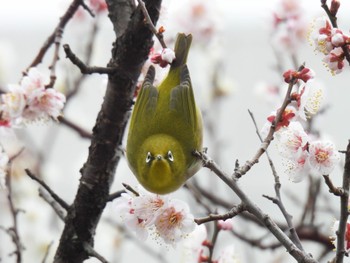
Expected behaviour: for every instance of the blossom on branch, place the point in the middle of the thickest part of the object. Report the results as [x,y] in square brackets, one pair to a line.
[163,58]
[30,101]
[323,157]
[347,234]
[169,219]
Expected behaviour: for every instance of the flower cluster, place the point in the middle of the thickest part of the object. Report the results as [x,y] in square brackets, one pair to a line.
[347,234]
[304,155]
[331,42]
[164,58]
[289,26]
[169,219]
[4,159]
[30,101]
[306,99]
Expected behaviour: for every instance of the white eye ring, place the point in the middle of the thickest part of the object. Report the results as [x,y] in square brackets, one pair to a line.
[170,156]
[148,157]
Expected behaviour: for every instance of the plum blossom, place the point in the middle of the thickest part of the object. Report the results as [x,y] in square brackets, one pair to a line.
[225,224]
[169,219]
[323,157]
[287,116]
[289,26]
[291,140]
[321,35]
[4,159]
[298,167]
[163,58]
[334,60]
[305,75]
[175,222]
[30,101]
[193,245]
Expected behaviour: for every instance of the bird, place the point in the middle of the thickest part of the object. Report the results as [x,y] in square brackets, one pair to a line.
[166,127]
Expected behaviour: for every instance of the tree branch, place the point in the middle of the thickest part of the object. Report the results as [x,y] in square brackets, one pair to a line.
[214,217]
[129,53]
[252,208]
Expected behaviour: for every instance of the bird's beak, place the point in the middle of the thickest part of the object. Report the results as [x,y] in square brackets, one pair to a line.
[159,157]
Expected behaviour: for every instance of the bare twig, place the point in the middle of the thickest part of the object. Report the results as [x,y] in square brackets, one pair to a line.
[129,188]
[115,195]
[83,133]
[157,33]
[47,252]
[58,38]
[338,191]
[13,231]
[93,253]
[82,66]
[61,25]
[48,189]
[214,217]
[52,202]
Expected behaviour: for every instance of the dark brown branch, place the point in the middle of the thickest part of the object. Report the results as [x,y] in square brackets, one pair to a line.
[84,69]
[48,189]
[83,133]
[344,213]
[61,25]
[52,202]
[338,191]
[129,53]
[214,217]
[94,253]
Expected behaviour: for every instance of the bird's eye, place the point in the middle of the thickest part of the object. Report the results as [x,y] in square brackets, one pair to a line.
[170,156]
[148,157]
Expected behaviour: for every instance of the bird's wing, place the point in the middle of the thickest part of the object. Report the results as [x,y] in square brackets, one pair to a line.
[182,99]
[146,102]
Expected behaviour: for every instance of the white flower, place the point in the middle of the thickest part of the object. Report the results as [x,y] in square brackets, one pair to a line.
[45,103]
[334,60]
[13,102]
[124,208]
[175,222]
[226,224]
[193,244]
[291,140]
[147,206]
[311,99]
[322,35]
[323,157]
[168,55]
[32,81]
[298,168]
[4,159]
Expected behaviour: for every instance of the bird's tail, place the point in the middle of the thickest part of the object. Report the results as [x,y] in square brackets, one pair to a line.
[182,47]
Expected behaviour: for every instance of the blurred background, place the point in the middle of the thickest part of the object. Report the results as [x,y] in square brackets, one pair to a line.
[237,60]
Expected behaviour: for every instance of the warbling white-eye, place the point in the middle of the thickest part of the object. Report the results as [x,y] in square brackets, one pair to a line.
[166,127]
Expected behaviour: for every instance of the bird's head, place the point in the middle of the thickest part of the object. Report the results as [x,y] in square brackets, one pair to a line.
[161,164]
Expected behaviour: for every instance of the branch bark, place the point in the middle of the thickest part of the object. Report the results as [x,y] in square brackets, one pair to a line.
[128,56]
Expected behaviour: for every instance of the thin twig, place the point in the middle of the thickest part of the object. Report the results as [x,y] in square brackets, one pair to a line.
[58,39]
[52,202]
[83,133]
[129,188]
[84,69]
[115,195]
[93,253]
[47,252]
[212,244]
[214,217]
[157,33]
[51,39]
[48,189]
[338,191]
[13,231]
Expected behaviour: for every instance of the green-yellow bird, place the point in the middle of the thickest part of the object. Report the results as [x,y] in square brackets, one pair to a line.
[166,127]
